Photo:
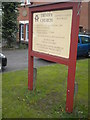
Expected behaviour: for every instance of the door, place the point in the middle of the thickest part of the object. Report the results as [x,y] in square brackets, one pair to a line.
[85,42]
[79,51]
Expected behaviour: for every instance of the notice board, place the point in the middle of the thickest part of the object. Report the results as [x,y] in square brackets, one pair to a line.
[53,36]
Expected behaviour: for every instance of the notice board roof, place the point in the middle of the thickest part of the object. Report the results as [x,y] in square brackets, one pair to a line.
[45,4]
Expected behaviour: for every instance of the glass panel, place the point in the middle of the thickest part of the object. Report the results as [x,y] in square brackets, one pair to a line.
[22,32]
[27,31]
[85,40]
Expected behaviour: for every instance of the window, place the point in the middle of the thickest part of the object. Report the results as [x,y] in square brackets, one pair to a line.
[27,32]
[22,32]
[85,40]
[78,40]
[28,1]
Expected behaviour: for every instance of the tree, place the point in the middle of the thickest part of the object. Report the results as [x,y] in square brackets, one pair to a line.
[9,22]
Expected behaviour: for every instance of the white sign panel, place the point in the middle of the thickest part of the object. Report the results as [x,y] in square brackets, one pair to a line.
[52,32]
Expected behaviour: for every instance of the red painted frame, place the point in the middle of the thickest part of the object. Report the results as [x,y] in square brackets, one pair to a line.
[71,62]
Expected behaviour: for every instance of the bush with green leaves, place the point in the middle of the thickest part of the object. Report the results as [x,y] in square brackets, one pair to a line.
[9,22]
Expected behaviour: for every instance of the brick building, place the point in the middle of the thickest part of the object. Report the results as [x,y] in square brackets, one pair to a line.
[23,20]
[84,16]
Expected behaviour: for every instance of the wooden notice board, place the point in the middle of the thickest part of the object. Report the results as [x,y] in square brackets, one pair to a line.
[53,36]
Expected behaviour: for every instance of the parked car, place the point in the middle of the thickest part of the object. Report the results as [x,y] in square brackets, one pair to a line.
[83,45]
[3,61]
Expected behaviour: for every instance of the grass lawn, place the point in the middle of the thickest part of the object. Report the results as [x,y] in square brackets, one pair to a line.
[49,98]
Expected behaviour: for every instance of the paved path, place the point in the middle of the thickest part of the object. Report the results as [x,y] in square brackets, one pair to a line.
[18,60]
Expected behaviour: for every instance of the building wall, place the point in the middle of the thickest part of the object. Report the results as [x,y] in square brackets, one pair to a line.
[84,16]
[22,14]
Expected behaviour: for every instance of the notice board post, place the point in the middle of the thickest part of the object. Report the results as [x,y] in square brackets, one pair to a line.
[53,36]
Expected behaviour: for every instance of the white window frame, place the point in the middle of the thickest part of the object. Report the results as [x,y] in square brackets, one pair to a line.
[24,22]
[27,31]
[22,31]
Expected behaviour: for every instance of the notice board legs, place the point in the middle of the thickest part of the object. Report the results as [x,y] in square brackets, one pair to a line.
[70,89]
[30,73]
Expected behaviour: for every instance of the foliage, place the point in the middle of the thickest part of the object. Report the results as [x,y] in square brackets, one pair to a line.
[23,46]
[48,100]
[9,22]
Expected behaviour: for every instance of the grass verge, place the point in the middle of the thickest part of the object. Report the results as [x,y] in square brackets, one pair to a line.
[48,100]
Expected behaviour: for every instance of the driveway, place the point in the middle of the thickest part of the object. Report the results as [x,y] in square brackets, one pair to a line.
[18,60]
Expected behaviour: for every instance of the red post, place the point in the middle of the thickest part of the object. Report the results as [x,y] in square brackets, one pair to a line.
[72,59]
[70,87]
[30,73]
[30,58]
